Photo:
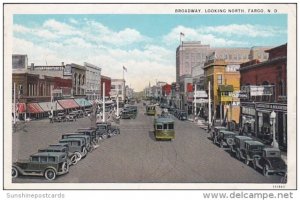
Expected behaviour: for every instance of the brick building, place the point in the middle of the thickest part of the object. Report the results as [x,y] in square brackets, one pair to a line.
[266,86]
[107,81]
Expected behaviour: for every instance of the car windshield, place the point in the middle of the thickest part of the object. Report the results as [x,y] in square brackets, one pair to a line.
[102,127]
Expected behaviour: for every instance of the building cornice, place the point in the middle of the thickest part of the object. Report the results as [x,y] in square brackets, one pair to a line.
[282,58]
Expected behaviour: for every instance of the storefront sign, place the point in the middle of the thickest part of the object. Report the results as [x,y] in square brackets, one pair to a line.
[235,103]
[248,111]
[201,94]
[263,90]
[278,107]
[240,94]
[249,105]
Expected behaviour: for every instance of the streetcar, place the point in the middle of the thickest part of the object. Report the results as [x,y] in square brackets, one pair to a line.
[150,109]
[164,128]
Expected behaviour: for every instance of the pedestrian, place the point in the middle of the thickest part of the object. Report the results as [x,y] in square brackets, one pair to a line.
[51,118]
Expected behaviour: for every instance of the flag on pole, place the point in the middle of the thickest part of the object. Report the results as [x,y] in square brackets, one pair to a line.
[181,33]
[124,68]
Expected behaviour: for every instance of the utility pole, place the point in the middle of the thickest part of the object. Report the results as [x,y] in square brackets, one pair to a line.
[209,106]
[14,103]
[117,101]
[103,103]
[195,104]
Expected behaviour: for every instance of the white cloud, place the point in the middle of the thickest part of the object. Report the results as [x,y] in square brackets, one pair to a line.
[73,21]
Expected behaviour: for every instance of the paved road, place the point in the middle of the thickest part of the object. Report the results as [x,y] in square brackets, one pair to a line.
[135,157]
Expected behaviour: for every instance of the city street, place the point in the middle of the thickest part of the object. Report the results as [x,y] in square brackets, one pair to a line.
[135,156]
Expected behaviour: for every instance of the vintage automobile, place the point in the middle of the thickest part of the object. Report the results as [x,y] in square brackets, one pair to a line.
[77,146]
[47,164]
[182,115]
[87,139]
[90,131]
[72,116]
[128,114]
[105,129]
[164,128]
[225,138]
[150,109]
[216,131]
[238,144]
[72,159]
[61,117]
[270,162]
[253,150]
[80,114]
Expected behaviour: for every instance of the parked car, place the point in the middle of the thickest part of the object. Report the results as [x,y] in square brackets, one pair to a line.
[64,149]
[70,154]
[87,139]
[80,114]
[90,132]
[182,115]
[61,117]
[253,150]
[216,131]
[77,146]
[270,162]
[105,129]
[128,114]
[72,116]
[239,144]
[225,138]
[47,164]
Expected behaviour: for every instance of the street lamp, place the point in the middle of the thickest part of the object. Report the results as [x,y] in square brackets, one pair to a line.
[272,122]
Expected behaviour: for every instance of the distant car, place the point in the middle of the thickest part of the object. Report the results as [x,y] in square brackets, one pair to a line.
[77,146]
[87,139]
[225,138]
[105,129]
[72,116]
[270,162]
[182,115]
[64,149]
[47,164]
[90,132]
[61,117]
[253,150]
[239,144]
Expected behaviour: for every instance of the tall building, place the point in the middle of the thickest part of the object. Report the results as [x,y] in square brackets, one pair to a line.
[93,80]
[117,88]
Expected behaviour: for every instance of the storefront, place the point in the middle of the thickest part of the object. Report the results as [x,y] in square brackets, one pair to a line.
[48,106]
[264,128]
[68,105]
[248,116]
[34,110]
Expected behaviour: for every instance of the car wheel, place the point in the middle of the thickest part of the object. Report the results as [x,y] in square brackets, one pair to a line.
[50,174]
[84,152]
[78,156]
[65,167]
[221,144]
[14,172]
[74,160]
[237,155]
[104,136]
[266,170]
[89,149]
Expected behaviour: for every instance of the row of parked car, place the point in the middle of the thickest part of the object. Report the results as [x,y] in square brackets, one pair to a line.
[250,151]
[71,116]
[71,148]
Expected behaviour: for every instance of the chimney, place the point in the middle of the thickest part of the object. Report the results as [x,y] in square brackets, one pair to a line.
[32,66]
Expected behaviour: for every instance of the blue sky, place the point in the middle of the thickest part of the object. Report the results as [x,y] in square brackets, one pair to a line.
[145,44]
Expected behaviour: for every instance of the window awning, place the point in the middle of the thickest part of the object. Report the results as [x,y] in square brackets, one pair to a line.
[46,106]
[34,108]
[20,108]
[68,103]
[83,102]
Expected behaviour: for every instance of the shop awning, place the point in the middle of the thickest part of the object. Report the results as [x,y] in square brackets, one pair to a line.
[225,88]
[68,103]
[83,102]
[46,106]
[34,108]
[20,107]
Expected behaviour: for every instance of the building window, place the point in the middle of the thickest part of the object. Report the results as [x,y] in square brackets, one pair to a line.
[265,97]
[220,79]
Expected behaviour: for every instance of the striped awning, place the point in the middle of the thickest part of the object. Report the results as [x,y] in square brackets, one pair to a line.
[20,107]
[34,108]
[68,103]
[83,102]
[46,106]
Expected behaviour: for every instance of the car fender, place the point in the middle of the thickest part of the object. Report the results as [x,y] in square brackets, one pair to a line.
[20,170]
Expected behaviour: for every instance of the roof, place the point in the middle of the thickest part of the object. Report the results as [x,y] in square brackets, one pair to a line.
[49,154]
[220,127]
[70,139]
[54,147]
[164,120]
[225,88]
[271,149]
[241,137]
[227,132]
[83,102]
[253,142]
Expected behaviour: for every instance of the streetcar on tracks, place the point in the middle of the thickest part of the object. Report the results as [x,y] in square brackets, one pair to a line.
[150,109]
[164,128]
